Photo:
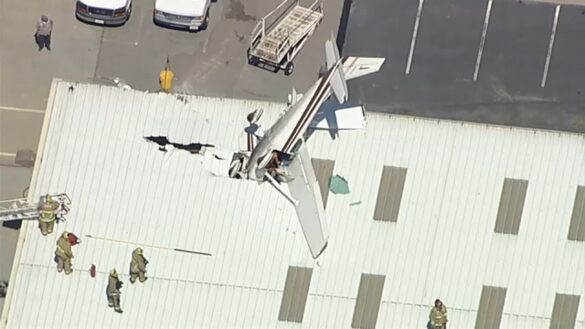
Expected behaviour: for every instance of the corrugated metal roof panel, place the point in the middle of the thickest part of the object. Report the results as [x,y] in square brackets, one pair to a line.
[577,226]
[390,194]
[367,304]
[124,188]
[294,296]
[564,311]
[511,206]
[323,172]
[491,308]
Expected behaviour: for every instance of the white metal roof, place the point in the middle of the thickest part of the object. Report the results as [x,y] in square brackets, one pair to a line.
[443,244]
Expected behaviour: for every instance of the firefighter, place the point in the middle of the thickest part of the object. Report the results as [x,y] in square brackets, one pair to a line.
[438,315]
[113,291]
[138,266]
[63,253]
[48,211]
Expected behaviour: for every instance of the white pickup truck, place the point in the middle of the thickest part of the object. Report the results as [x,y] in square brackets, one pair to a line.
[104,12]
[185,14]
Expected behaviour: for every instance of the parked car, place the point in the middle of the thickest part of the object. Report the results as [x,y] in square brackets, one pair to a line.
[184,14]
[104,12]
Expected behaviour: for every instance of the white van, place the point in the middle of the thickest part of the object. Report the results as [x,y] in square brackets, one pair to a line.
[186,14]
[104,12]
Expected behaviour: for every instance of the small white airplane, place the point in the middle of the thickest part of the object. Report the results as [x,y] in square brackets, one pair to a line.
[280,157]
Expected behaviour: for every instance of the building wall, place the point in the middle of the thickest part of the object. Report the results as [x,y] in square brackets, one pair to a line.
[443,244]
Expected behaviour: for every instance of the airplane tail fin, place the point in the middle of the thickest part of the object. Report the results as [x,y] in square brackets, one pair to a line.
[349,68]
[331,53]
[337,82]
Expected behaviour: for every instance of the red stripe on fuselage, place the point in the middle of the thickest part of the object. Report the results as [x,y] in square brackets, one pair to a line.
[312,107]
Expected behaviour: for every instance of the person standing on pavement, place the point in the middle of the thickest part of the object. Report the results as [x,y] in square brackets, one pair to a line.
[438,315]
[43,32]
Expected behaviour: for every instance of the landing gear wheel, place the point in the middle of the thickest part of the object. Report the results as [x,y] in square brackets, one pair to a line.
[252,60]
[288,70]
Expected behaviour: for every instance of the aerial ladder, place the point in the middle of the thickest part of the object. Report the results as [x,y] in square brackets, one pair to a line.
[21,209]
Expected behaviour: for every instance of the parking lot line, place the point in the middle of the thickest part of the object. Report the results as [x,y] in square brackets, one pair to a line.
[550,45]
[486,22]
[16,109]
[414,34]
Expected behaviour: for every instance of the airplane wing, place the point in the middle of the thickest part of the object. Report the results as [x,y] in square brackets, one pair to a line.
[310,211]
[355,67]
[333,117]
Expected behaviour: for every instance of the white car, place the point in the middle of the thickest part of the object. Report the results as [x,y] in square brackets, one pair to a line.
[186,14]
[104,12]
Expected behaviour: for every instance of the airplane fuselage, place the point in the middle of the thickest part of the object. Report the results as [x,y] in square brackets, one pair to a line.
[280,157]
[286,132]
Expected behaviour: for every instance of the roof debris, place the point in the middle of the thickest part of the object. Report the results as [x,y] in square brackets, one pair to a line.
[339,185]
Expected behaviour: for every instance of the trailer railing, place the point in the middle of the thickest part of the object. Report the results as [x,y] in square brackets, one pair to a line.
[266,23]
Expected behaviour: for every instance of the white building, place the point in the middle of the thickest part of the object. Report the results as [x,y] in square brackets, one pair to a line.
[490,219]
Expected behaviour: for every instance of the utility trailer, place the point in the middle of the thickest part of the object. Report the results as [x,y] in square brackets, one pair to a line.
[279,36]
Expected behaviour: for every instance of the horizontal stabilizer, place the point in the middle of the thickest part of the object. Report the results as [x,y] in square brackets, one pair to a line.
[331,54]
[355,67]
[333,117]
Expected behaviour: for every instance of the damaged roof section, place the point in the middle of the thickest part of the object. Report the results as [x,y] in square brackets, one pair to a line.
[163,142]
[339,185]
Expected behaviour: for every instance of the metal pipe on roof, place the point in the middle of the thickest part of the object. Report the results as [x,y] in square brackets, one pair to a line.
[149,245]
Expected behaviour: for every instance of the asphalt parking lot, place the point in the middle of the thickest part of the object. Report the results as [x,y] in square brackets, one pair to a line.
[494,61]
[211,62]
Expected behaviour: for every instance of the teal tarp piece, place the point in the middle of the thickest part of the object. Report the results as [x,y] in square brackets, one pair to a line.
[339,185]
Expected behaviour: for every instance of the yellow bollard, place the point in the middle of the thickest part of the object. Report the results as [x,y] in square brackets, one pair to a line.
[166,80]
